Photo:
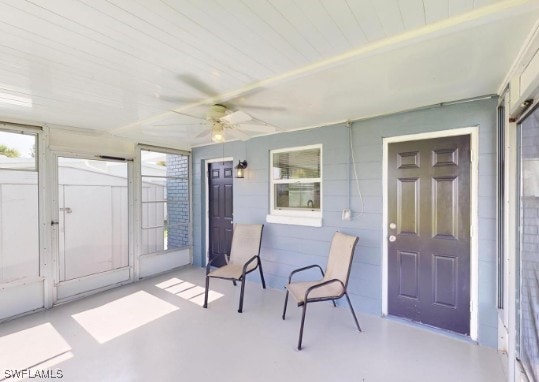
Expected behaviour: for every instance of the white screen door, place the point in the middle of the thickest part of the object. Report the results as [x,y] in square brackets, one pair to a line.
[93,250]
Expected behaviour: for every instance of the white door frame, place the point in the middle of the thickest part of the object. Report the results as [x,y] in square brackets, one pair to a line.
[473,131]
[207,201]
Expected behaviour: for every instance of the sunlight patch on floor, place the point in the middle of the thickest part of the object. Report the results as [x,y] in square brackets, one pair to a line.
[121,316]
[188,291]
[40,346]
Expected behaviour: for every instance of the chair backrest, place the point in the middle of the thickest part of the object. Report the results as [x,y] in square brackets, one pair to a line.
[340,257]
[246,240]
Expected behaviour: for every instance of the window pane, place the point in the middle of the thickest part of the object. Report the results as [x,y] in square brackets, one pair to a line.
[164,238]
[154,214]
[19,253]
[177,237]
[154,189]
[298,195]
[153,240]
[162,164]
[297,164]
[17,151]
[165,201]
[19,226]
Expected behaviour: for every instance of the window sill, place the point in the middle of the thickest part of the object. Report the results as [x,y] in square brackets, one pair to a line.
[295,220]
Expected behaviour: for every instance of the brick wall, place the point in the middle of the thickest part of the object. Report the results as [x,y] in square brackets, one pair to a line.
[177,201]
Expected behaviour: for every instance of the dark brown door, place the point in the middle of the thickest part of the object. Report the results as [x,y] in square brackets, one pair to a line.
[429,232]
[220,211]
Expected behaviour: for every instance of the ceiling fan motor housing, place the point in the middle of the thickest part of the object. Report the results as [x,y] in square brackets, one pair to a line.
[215,112]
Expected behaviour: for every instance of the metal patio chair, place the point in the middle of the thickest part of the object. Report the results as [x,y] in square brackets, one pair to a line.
[244,258]
[333,284]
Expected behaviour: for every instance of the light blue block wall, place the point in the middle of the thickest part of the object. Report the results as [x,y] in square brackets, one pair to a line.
[285,247]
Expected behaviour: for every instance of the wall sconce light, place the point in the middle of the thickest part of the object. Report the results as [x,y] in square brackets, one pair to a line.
[242,165]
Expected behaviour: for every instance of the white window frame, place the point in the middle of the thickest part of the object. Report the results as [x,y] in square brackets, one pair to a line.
[291,216]
[162,150]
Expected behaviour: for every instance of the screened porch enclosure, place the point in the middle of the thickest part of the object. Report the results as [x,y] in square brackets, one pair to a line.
[529,245]
[92,219]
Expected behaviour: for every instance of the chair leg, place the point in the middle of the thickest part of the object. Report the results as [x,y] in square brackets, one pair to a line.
[352,309]
[234,282]
[261,274]
[241,294]
[302,325]
[206,292]
[285,304]
[334,305]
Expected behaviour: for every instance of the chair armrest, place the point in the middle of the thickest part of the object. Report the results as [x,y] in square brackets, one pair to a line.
[304,269]
[249,262]
[212,260]
[324,283]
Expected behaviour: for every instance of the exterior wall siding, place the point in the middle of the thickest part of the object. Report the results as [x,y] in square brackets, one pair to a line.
[286,247]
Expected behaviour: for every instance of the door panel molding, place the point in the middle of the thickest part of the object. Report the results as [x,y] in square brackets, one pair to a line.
[407,205]
[443,159]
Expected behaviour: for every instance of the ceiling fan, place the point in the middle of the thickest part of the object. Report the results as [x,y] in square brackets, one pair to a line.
[224,121]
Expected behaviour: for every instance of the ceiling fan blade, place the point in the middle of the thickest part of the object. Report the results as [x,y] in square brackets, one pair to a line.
[201,141]
[204,133]
[175,99]
[195,83]
[179,125]
[166,133]
[257,128]
[260,107]
[236,118]
[235,133]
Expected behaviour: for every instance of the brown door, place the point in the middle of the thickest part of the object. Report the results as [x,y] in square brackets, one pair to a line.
[220,211]
[429,232]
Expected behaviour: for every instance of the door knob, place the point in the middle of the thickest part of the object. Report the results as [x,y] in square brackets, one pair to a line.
[392,226]
[392,238]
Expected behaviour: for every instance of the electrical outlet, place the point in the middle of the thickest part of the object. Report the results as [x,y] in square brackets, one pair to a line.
[346,214]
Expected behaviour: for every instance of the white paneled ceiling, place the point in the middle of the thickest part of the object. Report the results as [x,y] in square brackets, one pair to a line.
[148,70]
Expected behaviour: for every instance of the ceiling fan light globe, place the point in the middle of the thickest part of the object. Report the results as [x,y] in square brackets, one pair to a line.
[217,132]
[217,136]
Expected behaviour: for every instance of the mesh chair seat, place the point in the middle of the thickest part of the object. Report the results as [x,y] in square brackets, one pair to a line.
[297,291]
[231,271]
